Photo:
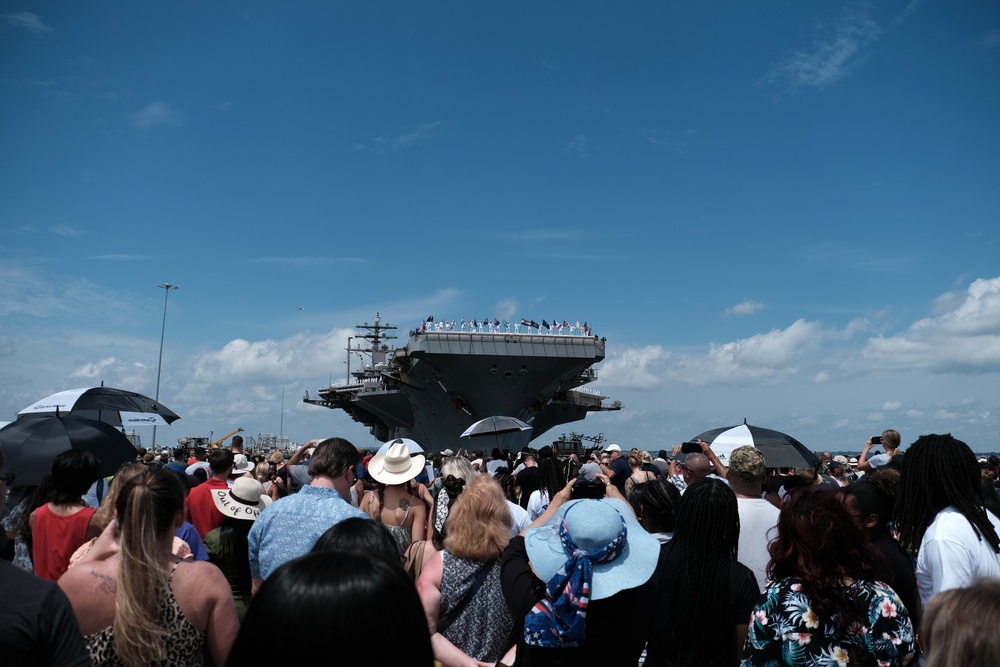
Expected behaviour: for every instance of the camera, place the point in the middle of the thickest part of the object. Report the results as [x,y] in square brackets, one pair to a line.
[594,489]
[876,439]
[690,448]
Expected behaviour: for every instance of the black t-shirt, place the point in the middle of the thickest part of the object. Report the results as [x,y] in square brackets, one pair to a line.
[529,480]
[746,593]
[897,570]
[37,624]
[617,627]
[622,471]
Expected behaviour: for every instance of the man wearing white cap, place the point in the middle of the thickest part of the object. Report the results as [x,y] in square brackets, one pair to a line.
[618,470]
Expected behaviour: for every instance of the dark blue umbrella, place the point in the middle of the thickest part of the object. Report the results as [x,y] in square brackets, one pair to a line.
[30,445]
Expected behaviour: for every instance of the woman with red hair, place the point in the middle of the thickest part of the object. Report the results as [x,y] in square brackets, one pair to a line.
[823,605]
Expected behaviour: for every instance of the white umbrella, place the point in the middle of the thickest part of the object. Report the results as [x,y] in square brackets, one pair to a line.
[495,426]
[411,445]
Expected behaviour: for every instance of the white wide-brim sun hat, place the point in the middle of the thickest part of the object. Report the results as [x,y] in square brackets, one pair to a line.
[396,466]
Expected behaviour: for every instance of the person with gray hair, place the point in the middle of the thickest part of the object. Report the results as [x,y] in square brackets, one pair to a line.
[290,526]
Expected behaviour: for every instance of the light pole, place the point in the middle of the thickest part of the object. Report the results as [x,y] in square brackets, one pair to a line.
[166,287]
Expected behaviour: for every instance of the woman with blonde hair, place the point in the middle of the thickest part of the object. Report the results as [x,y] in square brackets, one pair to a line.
[460,587]
[138,603]
[639,475]
[960,626]
[456,474]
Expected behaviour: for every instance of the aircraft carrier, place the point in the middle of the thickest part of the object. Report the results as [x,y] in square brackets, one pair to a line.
[444,380]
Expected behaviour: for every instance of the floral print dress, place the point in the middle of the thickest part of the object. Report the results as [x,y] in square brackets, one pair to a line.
[785,630]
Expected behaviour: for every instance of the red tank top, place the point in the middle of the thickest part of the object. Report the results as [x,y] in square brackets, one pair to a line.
[54,539]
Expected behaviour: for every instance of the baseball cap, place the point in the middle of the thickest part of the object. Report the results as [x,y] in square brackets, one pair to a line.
[747,463]
[612,448]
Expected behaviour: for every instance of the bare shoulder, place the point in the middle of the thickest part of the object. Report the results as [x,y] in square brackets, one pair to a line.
[199,579]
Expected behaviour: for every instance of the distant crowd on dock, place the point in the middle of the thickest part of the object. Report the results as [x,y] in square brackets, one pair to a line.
[494,325]
[611,556]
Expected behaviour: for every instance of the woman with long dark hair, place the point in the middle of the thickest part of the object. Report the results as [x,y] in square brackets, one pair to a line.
[940,515]
[353,608]
[704,593]
[823,605]
[870,503]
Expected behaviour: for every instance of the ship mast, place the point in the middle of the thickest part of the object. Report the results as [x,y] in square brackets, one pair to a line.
[374,337]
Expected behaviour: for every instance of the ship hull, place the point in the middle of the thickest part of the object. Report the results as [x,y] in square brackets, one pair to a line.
[442,382]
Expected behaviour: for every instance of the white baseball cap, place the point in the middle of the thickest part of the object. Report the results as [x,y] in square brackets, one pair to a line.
[613,448]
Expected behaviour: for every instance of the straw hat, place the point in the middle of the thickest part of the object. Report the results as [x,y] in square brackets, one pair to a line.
[245,500]
[396,466]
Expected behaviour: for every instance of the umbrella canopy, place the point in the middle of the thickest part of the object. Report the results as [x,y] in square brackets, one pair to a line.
[117,407]
[30,445]
[780,450]
[495,426]
[411,446]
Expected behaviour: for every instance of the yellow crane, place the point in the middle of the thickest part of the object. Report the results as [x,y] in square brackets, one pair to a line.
[215,443]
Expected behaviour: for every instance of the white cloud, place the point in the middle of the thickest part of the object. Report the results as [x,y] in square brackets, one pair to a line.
[767,357]
[892,405]
[747,307]
[154,114]
[990,40]
[385,144]
[506,308]
[578,145]
[963,337]
[635,368]
[834,55]
[26,21]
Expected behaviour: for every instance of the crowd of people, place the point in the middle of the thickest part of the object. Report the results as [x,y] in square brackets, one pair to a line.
[607,557]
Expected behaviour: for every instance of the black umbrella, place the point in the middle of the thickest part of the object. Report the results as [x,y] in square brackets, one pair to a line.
[117,407]
[780,450]
[30,445]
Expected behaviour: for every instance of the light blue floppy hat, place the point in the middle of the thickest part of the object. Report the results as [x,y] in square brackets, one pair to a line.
[592,527]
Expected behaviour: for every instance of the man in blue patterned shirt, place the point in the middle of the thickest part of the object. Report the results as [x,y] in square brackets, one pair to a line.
[290,526]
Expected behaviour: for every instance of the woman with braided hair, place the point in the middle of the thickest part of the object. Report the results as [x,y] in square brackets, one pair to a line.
[456,474]
[704,594]
[392,503]
[940,515]
[551,480]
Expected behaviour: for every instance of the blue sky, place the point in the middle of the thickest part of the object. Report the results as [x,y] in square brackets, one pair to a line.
[787,212]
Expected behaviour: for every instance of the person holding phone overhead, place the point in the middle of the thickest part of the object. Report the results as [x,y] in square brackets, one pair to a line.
[889,439]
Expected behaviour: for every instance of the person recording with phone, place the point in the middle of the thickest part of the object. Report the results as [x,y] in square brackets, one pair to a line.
[889,439]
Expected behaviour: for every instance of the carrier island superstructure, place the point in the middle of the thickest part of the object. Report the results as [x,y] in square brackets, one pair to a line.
[445,380]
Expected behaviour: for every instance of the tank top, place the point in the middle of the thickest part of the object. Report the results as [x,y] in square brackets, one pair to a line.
[183,645]
[402,534]
[481,629]
[54,539]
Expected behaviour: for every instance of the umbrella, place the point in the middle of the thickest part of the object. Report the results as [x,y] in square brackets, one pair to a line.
[30,445]
[411,446]
[117,407]
[780,450]
[495,426]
